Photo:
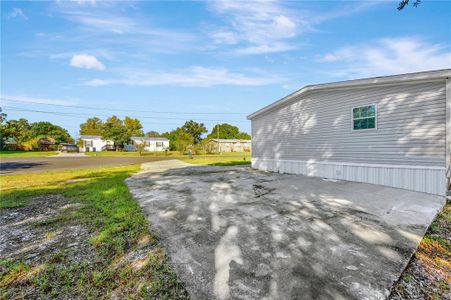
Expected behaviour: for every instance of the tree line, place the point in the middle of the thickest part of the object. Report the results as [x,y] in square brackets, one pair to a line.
[189,134]
[26,135]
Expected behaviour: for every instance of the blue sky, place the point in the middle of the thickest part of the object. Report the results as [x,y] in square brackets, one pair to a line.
[162,61]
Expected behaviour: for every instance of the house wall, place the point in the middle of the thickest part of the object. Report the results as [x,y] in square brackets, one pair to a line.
[232,147]
[96,143]
[312,135]
[151,146]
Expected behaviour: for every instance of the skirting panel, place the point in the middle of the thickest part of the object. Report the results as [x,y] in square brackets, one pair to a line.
[425,179]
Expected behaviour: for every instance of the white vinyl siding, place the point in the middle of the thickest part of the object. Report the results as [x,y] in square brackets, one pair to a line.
[316,127]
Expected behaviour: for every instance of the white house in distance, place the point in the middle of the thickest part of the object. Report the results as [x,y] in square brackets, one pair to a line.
[94,143]
[151,144]
[392,130]
[229,145]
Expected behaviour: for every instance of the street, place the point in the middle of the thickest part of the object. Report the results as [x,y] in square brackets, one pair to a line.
[16,165]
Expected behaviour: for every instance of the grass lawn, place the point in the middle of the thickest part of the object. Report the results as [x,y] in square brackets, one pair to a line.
[428,274]
[26,153]
[124,153]
[125,261]
[169,153]
[221,160]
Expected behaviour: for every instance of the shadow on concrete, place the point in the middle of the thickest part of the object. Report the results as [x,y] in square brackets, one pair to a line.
[235,233]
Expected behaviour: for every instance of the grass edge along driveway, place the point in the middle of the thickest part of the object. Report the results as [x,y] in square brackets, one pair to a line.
[5,154]
[117,225]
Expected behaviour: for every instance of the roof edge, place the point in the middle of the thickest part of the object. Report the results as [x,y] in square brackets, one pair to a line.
[417,76]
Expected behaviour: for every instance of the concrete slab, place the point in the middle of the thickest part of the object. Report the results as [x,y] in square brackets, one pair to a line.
[69,154]
[232,232]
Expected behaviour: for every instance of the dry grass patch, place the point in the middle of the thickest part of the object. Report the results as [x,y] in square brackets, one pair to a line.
[79,234]
[428,275]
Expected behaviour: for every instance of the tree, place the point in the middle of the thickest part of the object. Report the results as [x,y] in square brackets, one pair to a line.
[92,126]
[152,134]
[227,131]
[133,127]
[195,130]
[402,4]
[140,147]
[2,117]
[114,130]
[2,134]
[243,136]
[47,129]
[19,130]
[179,139]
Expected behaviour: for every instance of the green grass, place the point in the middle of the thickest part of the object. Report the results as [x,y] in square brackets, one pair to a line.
[117,225]
[434,257]
[221,160]
[169,153]
[26,153]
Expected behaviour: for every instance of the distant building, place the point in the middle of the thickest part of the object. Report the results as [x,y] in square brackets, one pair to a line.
[45,144]
[228,145]
[11,144]
[151,144]
[94,143]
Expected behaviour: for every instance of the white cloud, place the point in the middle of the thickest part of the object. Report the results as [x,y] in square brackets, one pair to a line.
[193,77]
[84,2]
[268,26]
[78,2]
[259,24]
[101,22]
[106,20]
[17,13]
[26,99]
[87,62]
[224,37]
[261,49]
[388,56]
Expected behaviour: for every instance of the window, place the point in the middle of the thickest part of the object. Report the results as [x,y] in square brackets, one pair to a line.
[159,144]
[88,143]
[364,117]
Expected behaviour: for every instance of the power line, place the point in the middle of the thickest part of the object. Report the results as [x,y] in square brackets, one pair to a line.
[90,115]
[124,110]
[84,118]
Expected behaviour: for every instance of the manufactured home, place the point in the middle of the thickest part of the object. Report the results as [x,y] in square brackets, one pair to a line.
[392,130]
[95,143]
[151,144]
[228,145]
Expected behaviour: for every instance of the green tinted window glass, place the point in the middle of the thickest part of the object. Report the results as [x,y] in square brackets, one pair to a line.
[364,117]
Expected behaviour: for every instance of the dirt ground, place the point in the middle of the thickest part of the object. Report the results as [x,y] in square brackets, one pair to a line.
[39,235]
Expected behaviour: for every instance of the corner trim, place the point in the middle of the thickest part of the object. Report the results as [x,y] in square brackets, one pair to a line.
[448,130]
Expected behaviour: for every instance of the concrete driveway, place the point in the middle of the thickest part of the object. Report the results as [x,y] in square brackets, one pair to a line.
[232,232]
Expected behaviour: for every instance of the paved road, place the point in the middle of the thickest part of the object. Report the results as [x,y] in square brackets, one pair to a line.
[15,165]
[235,233]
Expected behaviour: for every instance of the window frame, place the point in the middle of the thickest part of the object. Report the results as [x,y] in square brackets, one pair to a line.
[89,143]
[375,117]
